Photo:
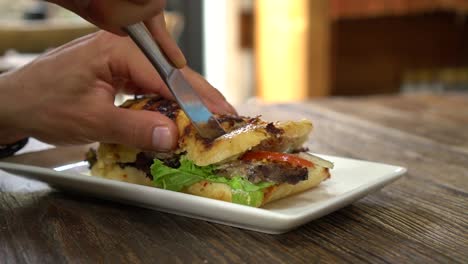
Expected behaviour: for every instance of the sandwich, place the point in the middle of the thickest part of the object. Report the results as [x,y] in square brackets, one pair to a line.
[254,163]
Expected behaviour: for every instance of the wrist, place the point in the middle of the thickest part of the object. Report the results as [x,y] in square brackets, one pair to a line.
[10,129]
[7,150]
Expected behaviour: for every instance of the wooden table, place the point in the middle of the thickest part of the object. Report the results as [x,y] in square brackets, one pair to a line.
[421,218]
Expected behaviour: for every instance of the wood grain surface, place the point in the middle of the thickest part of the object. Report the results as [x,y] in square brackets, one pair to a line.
[421,218]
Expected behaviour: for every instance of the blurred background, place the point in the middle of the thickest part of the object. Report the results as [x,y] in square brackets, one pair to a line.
[285,50]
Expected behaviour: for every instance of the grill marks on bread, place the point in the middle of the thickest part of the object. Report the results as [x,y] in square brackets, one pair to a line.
[159,104]
[243,133]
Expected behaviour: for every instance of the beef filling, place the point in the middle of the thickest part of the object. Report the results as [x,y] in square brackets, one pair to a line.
[259,171]
[253,171]
[278,173]
[144,160]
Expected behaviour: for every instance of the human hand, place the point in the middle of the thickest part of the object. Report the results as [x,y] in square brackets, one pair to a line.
[66,96]
[113,15]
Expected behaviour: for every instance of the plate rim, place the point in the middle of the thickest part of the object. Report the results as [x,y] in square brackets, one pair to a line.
[284,221]
[9,166]
[396,173]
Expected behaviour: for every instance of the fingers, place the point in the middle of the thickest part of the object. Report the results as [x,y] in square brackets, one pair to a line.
[127,61]
[115,14]
[145,81]
[157,27]
[112,15]
[131,63]
[142,129]
[210,95]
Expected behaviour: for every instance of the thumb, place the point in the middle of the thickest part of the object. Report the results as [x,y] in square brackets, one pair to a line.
[142,129]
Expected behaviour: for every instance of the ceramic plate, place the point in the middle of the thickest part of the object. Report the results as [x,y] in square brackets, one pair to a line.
[351,180]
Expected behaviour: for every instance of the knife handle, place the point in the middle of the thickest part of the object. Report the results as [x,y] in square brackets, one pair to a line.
[143,38]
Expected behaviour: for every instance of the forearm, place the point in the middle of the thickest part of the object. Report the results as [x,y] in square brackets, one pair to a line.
[66,96]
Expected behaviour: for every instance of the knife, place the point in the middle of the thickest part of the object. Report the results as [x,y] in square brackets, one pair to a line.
[190,102]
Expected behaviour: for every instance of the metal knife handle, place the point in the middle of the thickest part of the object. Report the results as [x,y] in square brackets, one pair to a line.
[188,99]
[143,38]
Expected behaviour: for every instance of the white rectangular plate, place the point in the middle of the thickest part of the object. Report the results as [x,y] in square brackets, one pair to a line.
[351,180]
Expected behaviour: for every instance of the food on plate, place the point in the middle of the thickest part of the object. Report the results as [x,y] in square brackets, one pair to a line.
[254,163]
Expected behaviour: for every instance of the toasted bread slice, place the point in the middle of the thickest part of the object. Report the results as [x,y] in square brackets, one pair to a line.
[218,191]
[244,134]
[286,135]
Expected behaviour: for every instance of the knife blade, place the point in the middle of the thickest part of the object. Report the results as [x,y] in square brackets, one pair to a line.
[203,120]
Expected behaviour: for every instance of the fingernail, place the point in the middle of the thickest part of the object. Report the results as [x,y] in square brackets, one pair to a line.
[162,139]
[180,62]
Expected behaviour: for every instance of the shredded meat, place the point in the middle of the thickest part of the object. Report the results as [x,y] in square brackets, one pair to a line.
[144,160]
[255,172]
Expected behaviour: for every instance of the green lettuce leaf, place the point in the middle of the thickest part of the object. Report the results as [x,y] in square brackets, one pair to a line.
[175,179]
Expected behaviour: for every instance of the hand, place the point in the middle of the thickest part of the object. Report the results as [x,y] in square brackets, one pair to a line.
[67,96]
[113,15]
